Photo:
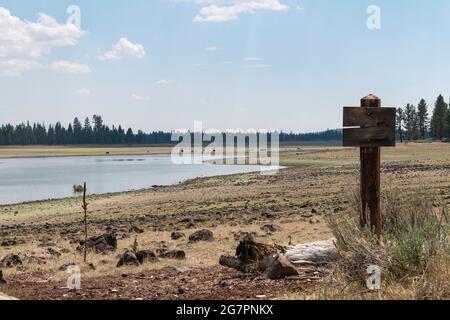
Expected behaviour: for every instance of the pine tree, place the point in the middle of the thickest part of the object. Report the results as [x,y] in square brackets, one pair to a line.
[439,120]
[423,118]
[410,122]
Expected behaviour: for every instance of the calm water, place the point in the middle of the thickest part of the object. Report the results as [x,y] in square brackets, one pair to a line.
[44,178]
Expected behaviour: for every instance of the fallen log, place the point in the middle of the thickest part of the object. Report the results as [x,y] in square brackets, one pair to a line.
[321,252]
[276,261]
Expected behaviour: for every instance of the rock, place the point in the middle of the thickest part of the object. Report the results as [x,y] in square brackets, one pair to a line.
[66,266]
[202,235]
[100,244]
[136,230]
[240,236]
[2,278]
[280,268]
[173,254]
[36,260]
[53,252]
[270,228]
[177,235]
[144,256]
[128,258]
[11,260]
[8,243]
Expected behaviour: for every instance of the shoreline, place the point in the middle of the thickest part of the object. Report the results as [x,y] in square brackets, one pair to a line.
[119,193]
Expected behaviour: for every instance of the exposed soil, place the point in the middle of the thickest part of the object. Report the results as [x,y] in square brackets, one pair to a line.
[214,283]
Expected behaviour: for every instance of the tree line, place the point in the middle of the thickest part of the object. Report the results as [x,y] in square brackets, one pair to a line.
[412,123]
[415,123]
[95,132]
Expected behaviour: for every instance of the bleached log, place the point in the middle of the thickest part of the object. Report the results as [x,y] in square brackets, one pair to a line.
[256,257]
[320,252]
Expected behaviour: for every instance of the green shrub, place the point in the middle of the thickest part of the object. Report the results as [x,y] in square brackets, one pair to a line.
[415,236]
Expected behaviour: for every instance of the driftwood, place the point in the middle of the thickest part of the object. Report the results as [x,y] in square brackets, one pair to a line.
[254,257]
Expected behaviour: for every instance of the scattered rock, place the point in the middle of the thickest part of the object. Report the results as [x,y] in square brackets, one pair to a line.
[9,243]
[181,290]
[173,254]
[36,260]
[53,252]
[11,260]
[202,235]
[313,211]
[280,268]
[270,228]
[128,258]
[159,247]
[144,256]
[241,236]
[100,244]
[177,235]
[136,230]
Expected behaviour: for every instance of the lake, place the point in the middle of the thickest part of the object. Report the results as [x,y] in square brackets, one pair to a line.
[31,179]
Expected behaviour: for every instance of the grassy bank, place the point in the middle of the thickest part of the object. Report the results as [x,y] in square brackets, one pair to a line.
[68,151]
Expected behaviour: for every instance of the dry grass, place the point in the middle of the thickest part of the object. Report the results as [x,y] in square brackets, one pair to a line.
[201,254]
[414,253]
[63,151]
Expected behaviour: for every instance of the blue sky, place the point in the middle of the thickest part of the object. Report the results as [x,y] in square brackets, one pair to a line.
[283,64]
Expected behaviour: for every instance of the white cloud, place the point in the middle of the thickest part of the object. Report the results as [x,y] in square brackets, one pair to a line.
[123,48]
[67,67]
[137,97]
[16,67]
[82,92]
[24,43]
[228,10]
[31,40]
[164,82]
[214,48]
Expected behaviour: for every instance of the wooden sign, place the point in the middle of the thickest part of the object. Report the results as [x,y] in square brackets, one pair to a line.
[376,127]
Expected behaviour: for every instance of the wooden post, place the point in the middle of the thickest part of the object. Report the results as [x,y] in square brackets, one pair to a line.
[85,222]
[370,177]
[370,127]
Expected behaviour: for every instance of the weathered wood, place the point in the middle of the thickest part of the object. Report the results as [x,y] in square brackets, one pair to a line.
[321,252]
[369,117]
[369,137]
[370,158]
[253,257]
[84,206]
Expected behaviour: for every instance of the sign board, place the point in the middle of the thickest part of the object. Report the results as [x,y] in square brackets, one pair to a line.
[373,127]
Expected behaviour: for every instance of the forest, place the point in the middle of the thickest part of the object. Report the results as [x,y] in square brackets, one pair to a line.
[413,123]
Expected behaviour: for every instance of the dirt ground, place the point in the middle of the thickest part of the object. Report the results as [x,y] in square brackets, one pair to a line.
[317,181]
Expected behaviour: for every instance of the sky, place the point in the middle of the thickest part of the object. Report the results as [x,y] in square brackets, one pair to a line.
[260,64]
